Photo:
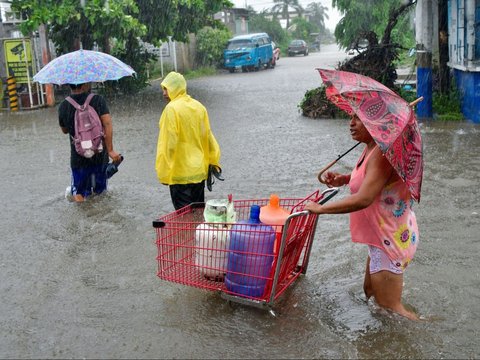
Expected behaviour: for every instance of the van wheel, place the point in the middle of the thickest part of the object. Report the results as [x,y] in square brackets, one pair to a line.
[231,70]
[258,66]
[244,69]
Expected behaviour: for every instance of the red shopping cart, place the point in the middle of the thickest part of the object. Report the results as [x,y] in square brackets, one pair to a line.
[252,265]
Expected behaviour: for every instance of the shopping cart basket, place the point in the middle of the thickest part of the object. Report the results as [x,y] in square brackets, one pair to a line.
[203,255]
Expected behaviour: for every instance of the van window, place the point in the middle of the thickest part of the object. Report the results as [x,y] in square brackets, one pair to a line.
[238,44]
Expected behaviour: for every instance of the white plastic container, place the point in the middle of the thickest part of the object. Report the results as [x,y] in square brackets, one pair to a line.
[212,244]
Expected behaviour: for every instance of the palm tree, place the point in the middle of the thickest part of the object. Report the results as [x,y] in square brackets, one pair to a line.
[318,14]
[282,7]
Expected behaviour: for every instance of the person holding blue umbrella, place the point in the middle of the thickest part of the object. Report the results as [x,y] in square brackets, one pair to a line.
[89,175]
[78,69]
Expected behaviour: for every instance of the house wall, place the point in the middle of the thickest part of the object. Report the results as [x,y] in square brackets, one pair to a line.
[464,53]
[468,84]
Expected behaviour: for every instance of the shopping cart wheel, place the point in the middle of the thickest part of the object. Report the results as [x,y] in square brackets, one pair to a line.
[232,304]
[273,313]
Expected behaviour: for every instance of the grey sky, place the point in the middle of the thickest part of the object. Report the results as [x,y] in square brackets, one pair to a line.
[258,5]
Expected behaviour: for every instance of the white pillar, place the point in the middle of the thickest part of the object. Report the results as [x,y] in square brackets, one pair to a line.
[470,29]
[171,45]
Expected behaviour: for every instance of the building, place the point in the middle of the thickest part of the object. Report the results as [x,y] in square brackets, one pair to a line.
[464,53]
[235,19]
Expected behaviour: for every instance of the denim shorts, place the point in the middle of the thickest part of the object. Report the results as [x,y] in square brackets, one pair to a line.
[89,179]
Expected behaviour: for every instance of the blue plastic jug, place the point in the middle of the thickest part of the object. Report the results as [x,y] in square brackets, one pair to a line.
[251,255]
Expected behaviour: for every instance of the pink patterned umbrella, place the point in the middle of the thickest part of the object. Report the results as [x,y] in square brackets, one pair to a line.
[83,66]
[388,118]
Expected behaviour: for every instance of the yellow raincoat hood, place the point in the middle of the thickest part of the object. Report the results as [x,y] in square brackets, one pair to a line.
[186,145]
[175,84]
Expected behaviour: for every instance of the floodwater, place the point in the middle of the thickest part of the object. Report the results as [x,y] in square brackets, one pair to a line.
[79,280]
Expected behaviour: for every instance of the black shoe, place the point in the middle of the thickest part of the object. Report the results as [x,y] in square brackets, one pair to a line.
[112,168]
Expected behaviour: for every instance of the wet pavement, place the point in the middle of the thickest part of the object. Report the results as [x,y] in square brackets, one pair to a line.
[78,280]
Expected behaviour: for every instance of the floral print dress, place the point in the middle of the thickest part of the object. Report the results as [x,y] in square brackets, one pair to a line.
[389,223]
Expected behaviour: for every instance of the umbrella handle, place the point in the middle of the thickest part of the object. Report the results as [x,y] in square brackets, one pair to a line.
[319,176]
[415,102]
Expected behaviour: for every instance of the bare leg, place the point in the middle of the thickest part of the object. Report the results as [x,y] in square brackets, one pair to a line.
[387,289]
[367,282]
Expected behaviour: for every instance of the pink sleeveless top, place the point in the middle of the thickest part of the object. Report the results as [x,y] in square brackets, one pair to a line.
[389,223]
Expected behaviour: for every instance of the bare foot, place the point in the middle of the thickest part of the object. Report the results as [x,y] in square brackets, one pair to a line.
[78,198]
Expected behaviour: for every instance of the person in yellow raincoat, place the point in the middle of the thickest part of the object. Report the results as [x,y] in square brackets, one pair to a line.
[186,145]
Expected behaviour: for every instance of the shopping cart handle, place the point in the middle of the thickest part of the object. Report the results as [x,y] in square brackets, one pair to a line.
[158,224]
[327,195]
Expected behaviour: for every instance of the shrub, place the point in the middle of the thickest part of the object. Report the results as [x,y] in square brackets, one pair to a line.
[210,45]
[315,105]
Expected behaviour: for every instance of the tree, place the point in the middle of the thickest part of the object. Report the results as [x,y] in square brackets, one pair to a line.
[372,16]
[116,26]
[260,23]
[210,45]
[378,59]
[74,23]
[318,14]
[302,29]
[283,7]
[177,18]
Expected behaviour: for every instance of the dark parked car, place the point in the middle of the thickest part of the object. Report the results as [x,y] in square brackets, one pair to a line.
[297,47]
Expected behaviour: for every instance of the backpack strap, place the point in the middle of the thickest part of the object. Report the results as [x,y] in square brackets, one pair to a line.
[76,105]
[87,101]
[73,102]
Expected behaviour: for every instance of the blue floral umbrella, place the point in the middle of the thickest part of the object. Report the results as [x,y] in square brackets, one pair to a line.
[83,66]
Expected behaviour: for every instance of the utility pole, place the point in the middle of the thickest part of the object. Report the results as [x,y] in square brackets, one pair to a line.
[424,34]
[46,57]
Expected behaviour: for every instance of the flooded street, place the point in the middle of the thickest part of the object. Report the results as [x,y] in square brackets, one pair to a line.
[79,280]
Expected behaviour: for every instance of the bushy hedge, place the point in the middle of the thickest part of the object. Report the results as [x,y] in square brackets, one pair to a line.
[210,45]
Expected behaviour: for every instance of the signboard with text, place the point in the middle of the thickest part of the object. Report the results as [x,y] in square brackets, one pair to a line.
[18,59]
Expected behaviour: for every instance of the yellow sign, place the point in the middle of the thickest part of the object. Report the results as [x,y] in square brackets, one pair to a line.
[18,59]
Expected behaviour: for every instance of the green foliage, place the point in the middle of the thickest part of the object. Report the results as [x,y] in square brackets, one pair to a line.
[362,16]
[303,29]
[200,72]
[283,7]
[71,24]
[448,106]
[318,15]
[315,105]
[407,95]
[118,22]
[260,23]
[210,45]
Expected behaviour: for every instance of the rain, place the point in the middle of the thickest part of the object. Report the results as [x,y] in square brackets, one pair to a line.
[80,280]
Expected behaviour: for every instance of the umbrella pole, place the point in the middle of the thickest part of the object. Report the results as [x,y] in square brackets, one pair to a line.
[319,176]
